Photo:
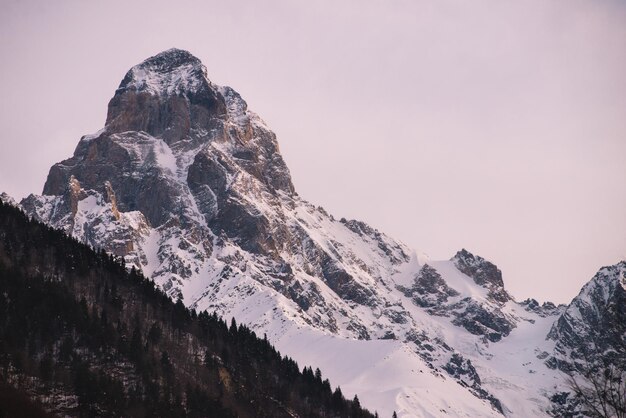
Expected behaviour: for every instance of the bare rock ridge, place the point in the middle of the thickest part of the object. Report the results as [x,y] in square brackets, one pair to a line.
[166,96]
[484,274]
[429,290]
[593,327]
[187,184]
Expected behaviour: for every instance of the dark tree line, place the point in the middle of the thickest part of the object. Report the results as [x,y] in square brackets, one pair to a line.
[83,336]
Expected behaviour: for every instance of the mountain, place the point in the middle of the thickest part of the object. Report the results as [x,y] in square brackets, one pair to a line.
[593,327]
[188,186]
[82,336]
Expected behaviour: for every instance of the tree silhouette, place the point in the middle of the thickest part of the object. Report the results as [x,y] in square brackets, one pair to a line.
[601,390]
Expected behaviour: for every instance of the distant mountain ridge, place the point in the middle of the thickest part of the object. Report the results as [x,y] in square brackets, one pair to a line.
[189,186]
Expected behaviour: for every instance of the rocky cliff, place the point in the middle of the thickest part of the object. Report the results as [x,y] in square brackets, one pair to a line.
[593,327]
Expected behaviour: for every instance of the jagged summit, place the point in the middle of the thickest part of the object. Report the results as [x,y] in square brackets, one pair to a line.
[167,96]
[175,148]
[483,272]
[594,324]
[168,70]
[170,59]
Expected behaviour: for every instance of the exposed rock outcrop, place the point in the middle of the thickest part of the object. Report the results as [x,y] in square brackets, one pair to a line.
[484,274]
[592,328]
[430,291]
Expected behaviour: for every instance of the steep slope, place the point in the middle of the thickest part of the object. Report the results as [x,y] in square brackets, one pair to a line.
[590,347]
[188,185]
[593,327]
[184,182]
[82,336]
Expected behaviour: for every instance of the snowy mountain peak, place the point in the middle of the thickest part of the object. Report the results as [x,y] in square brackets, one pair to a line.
[483,272]
[171,58]
[174,71]
[594,324]
[167,96]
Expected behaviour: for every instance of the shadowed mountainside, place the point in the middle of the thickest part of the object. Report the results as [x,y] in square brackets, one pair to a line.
[82,336]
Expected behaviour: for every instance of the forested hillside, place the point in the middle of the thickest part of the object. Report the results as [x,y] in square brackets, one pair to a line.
[80,335]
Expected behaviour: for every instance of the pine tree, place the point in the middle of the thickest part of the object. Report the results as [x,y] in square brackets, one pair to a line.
[356,407]
[318,375]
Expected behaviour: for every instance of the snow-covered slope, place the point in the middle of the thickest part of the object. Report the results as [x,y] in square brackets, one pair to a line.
[187,184]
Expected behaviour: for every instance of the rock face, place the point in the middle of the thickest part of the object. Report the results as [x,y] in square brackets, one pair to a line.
[480,317]
[429,290]
[484,319]
[590,340]
[464,371]
[544,310]
[167,96]
[484,274]
[593,327]
[187,184]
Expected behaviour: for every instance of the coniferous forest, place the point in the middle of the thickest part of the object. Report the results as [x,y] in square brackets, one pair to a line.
[81,335]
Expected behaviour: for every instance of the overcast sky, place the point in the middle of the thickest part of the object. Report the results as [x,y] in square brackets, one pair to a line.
[497,126]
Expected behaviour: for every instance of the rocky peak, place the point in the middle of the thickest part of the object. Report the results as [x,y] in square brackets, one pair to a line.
[170,59]
[543,310]
[171,71]
[593,327]
[167,96]
[429,290]
[484,273]
[174,141]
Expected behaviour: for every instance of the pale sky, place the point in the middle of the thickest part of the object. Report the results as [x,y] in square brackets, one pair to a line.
[498,126]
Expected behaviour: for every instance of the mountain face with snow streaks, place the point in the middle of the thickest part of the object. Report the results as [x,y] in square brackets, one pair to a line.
[593,327]
[187,184]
